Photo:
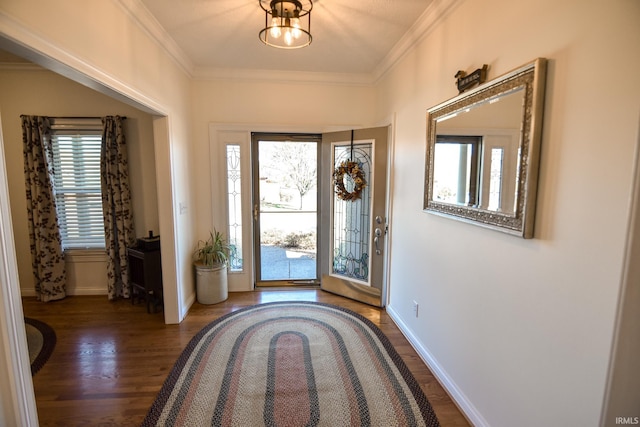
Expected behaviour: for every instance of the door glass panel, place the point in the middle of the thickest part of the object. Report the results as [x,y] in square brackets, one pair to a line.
[234,203]
[352,218]
[288,210]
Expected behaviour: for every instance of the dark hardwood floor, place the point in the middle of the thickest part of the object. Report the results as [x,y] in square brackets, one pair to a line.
[111,358]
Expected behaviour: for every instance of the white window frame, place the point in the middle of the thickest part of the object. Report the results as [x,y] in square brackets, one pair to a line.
[77,182]
[220,138]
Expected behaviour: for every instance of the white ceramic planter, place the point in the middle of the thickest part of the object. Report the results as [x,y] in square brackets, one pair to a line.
[211,284]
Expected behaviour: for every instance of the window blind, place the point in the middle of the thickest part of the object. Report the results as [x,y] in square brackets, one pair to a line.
[77,186]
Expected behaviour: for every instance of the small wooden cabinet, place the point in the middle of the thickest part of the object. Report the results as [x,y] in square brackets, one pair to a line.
[145,276]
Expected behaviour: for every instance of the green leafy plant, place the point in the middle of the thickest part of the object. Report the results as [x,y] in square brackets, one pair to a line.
[214,250]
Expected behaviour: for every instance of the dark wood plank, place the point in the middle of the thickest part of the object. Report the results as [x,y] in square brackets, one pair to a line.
[111,358]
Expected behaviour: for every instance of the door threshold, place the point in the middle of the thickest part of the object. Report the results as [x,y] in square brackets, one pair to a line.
[294,284]
[288,288]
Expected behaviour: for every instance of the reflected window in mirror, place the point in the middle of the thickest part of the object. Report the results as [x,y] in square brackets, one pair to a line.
[496,180]
[455,176]
[475,171]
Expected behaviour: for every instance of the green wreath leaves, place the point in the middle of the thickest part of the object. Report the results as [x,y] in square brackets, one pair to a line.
[353,170]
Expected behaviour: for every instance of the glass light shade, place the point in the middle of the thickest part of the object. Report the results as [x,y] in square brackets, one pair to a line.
[288,36]
[275,28]
[295,24]
[287,23]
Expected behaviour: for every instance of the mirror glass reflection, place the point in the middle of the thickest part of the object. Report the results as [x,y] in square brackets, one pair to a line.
[476,154]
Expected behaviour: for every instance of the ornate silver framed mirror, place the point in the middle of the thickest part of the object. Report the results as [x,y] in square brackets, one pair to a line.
[483,152]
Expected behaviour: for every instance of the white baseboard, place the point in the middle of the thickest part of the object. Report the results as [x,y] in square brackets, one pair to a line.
[86,291]
[27,292]
[70,292]
[191,299]
[458,397]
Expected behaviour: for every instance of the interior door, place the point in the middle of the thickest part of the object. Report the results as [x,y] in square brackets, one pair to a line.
[355,221]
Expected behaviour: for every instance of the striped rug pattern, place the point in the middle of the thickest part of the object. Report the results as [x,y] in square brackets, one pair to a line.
[41,340]
[290,364]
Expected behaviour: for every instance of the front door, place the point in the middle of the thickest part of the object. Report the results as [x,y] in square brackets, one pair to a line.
[354,214]
[285,196]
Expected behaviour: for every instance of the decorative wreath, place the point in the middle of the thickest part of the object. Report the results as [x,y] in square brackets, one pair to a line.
[353,170]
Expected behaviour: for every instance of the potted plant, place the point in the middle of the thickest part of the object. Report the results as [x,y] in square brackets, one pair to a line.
[210,261]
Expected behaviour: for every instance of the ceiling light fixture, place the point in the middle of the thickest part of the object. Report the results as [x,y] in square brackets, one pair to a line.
[287,23]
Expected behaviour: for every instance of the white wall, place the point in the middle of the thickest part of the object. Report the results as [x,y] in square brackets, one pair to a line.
[526,343]
[17,400]
[623,399]
[28,89]
[100,44]
[522,330]
[258,106]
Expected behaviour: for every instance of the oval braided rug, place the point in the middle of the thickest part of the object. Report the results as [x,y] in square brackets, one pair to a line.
[41,340]
[290,364]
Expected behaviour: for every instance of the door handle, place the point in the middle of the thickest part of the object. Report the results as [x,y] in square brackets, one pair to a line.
[376,240]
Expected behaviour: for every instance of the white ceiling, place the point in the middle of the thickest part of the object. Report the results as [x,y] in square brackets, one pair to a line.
[349,36]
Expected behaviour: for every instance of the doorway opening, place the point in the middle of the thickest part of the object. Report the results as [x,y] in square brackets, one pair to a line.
[285,208]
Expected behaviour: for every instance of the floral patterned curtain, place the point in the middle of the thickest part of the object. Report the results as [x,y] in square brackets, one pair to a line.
[47,256]
[116,206]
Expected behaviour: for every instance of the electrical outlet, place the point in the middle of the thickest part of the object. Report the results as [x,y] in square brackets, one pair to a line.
[415,308]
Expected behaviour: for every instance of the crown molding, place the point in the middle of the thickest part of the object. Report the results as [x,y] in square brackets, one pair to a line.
[282,76]
[430,18]
[20,66]
[21,40]
[150,25]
